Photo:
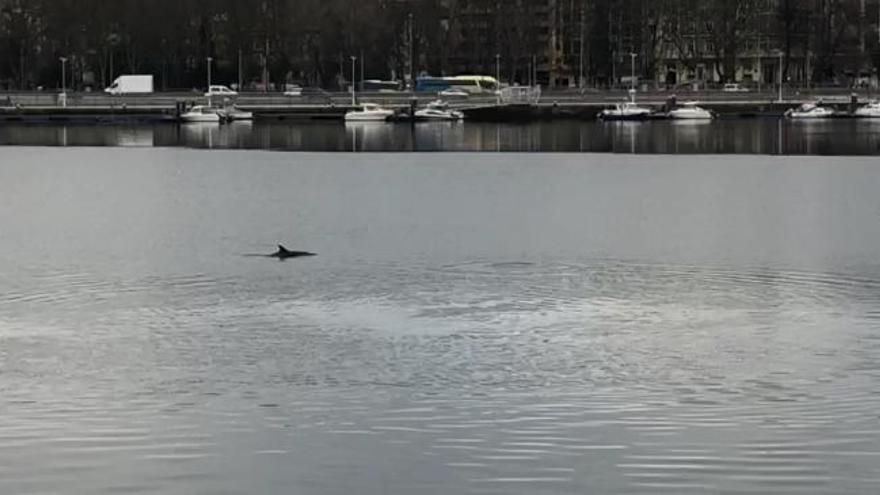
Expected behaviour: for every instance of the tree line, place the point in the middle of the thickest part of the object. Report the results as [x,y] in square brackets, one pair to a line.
[311,42]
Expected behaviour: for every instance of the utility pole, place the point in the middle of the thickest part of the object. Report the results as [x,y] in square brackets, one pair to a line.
[529,76]
[863,28]
[21,65]
[240,74]
[535,69]
[498,67]
[632,76]
[614,71]
[209,60]
[353,83]
[780,76]
[412,76]
[63,81]
[266,68]
[581,75]
[363,59]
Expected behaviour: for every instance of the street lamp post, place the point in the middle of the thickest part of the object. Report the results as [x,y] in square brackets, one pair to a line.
[535,70]
[353,83]
[240,77]
[498,67]
[632,77]
[412,54]
[581,78]
[780,77]
[63,81]
[209,60]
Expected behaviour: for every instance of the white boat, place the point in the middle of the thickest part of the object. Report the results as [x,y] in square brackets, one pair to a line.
[369,112]
[438,110]
[233,113]
[201,113]
[809,111]
[625,111]
[690,111]
[869,111]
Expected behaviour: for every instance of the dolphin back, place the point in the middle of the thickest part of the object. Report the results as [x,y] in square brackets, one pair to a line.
[286,253]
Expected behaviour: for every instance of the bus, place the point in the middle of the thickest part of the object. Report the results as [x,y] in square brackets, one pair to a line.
[381,86]
[477,84]
[470,84]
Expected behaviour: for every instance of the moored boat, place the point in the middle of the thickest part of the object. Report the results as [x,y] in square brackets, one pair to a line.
[810,111]
[369,112]
[233,113]
[869,111]
[625,111]
[201,113]
[438,110]
[690,111]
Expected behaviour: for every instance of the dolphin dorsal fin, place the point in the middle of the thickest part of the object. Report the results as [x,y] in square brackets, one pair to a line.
[282,249]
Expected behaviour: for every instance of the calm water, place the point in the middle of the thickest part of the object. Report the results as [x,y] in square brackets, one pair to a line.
[474,323]
[735,136]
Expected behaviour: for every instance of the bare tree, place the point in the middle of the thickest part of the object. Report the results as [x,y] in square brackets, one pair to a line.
[727,24]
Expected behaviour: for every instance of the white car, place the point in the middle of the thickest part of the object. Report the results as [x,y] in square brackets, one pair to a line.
[293,91]
[220,91]
[734,88]
[455,92]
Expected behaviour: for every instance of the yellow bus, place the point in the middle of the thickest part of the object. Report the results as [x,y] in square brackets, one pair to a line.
[469,84]
[475,84]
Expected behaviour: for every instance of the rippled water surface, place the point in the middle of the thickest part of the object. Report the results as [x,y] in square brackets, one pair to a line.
[474,323]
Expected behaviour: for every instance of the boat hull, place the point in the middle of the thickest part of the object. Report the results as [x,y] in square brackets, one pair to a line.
[190,119]
[867,114]
[616,117]
[810,112]
[239,116]
[380,116]
[422,116]
[809,116]
[691,115]
[366,118]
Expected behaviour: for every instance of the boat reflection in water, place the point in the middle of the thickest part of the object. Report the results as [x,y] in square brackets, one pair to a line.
[78,135]
[366,135]
[719,136]
[234,135]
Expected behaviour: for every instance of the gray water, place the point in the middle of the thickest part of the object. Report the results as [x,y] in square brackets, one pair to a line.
[768,136]
[474,323]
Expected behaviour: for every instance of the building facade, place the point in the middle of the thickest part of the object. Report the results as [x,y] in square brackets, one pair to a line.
[566,43]
[519,41]
[800,42]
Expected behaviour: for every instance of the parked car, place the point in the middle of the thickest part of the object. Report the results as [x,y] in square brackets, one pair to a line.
[734,88]
[220,91]
[293,90]
[454,92]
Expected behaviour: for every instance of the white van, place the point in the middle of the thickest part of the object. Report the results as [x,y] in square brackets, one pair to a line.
[131,85]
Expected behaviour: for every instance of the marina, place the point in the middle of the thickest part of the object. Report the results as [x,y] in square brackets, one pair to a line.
[527,105]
